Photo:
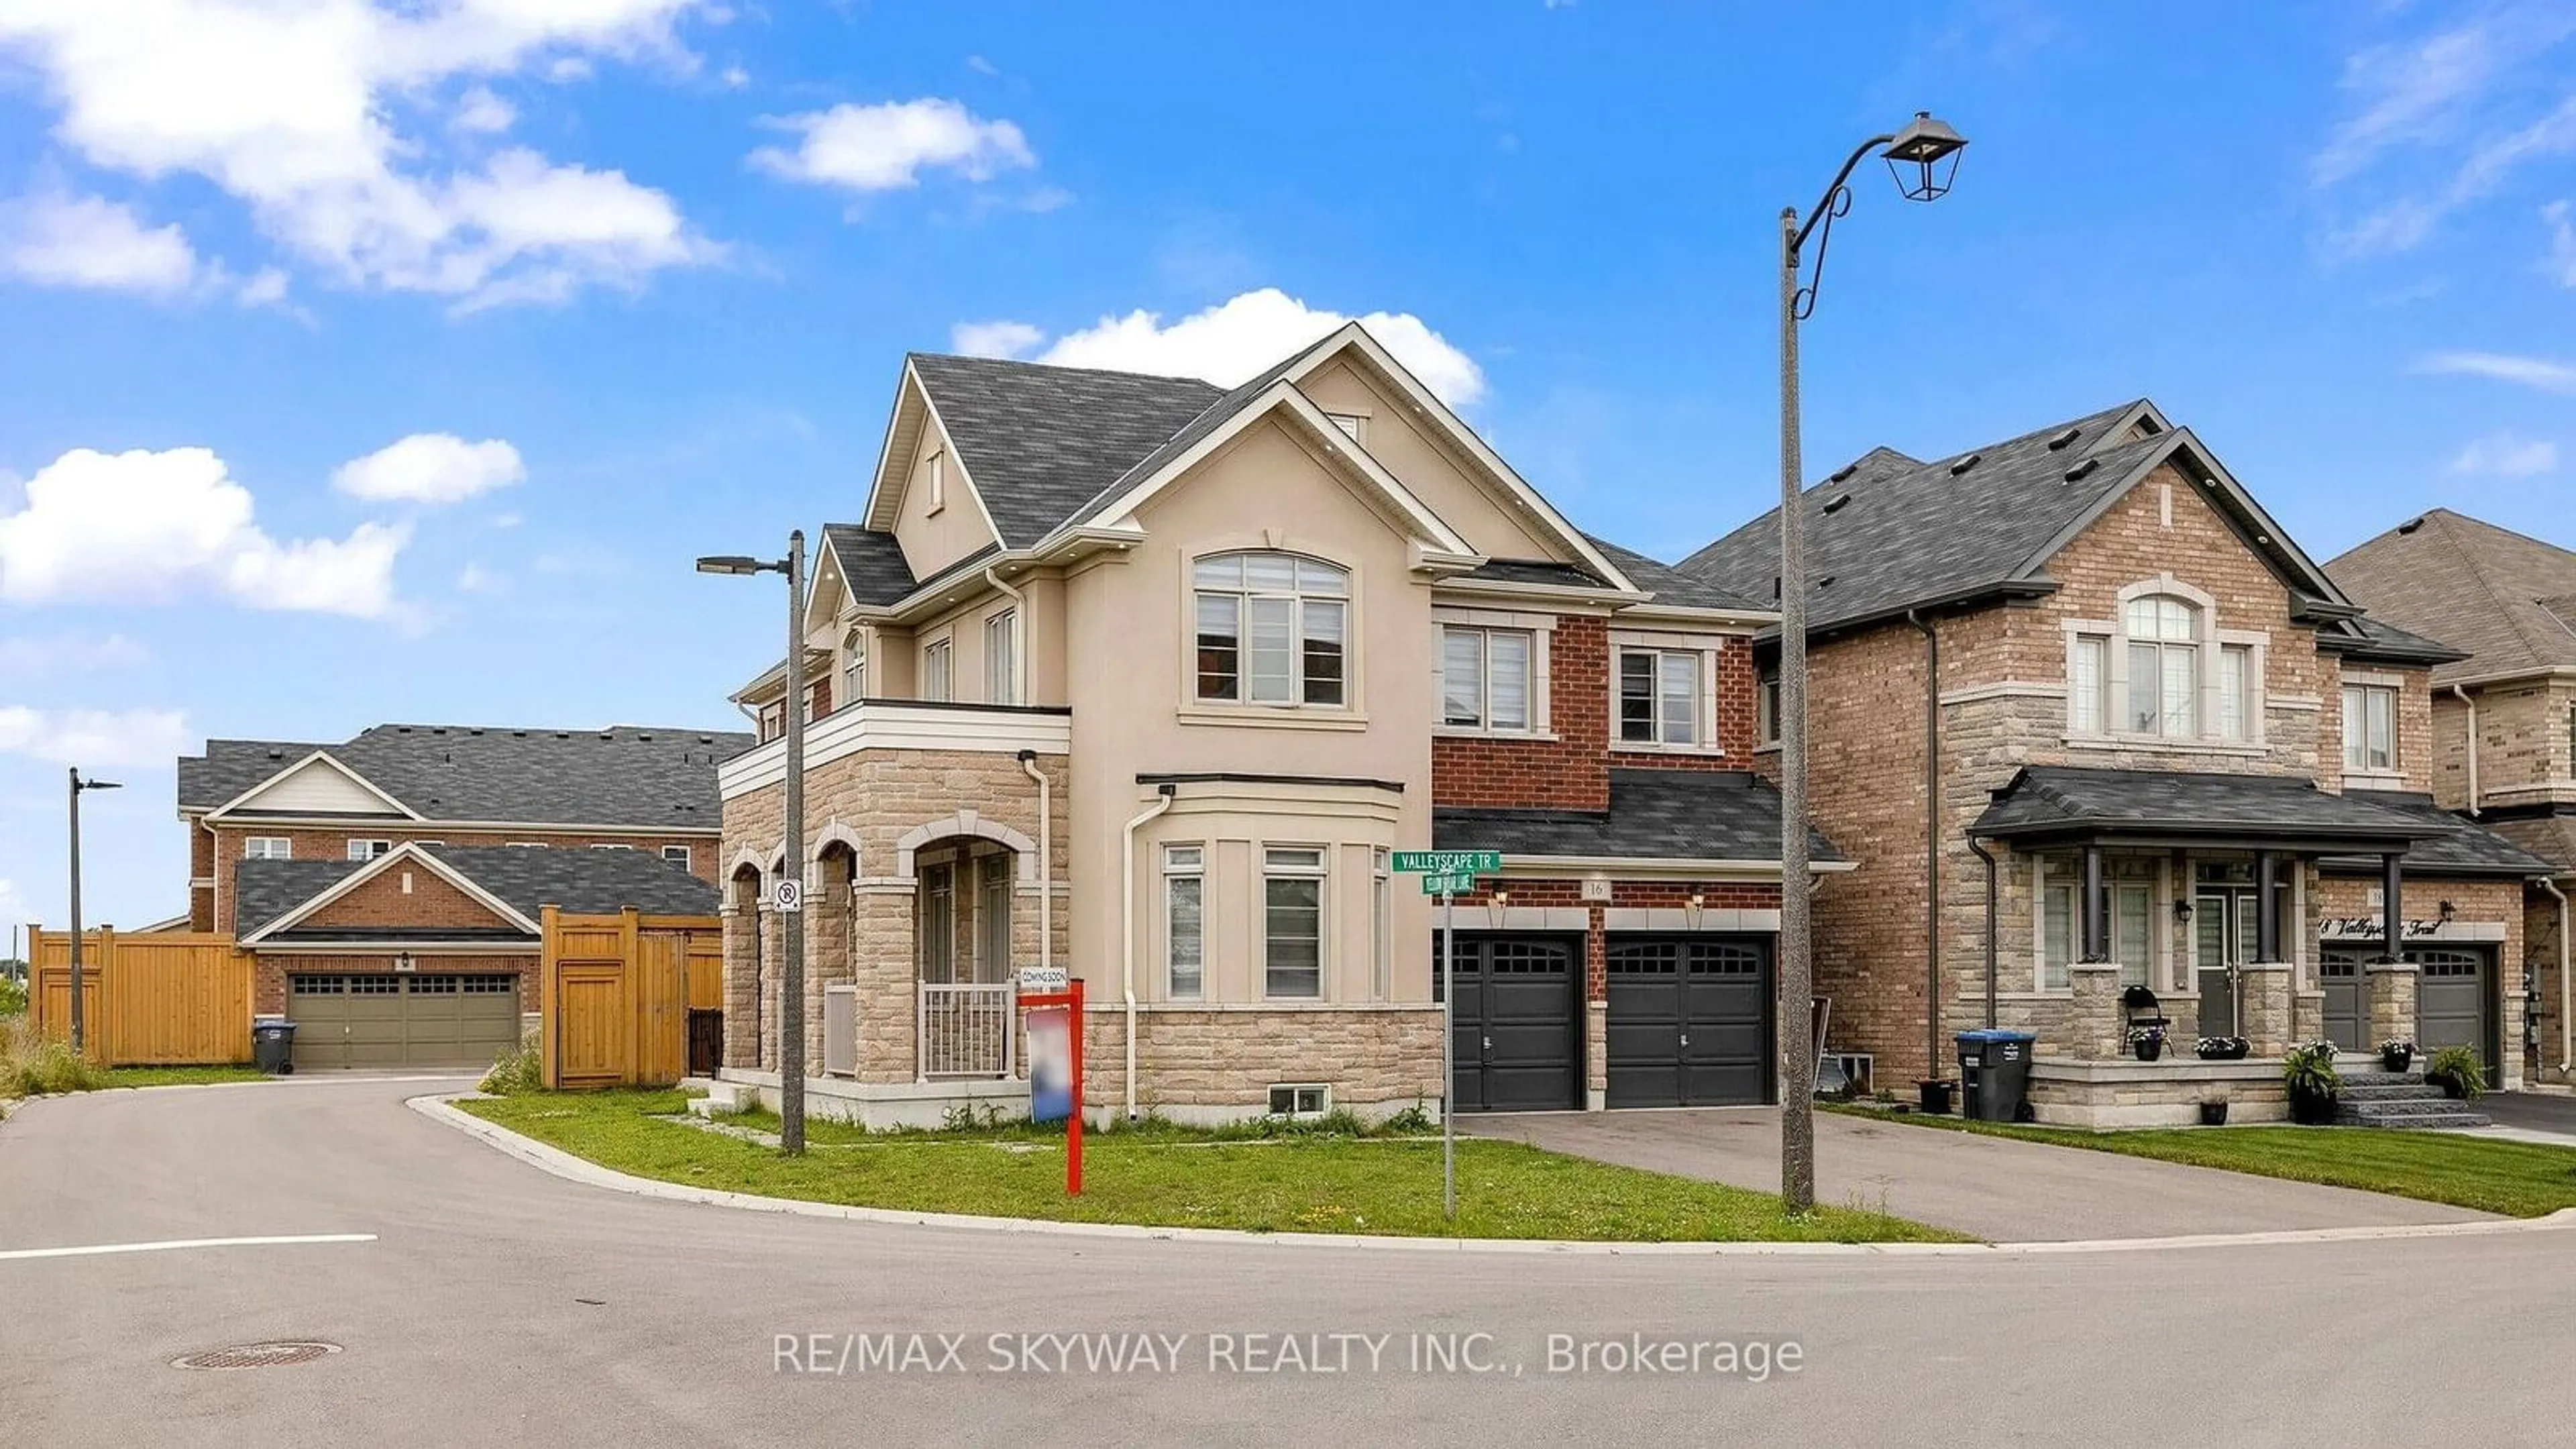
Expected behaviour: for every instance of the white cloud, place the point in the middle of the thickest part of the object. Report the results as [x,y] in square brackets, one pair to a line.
[320,118]
[431,468]
[994,339]
[144,526]
[30,657]
[1234,340]
[2562,242]
[885,147]
[483,113]
[58,240]
[14,910]
[95,737]
[2504,455]
[476,579]
[2541,373]
[734,77]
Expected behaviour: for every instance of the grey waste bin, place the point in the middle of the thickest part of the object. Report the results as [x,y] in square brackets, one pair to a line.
[272,1045]
[1994,1073]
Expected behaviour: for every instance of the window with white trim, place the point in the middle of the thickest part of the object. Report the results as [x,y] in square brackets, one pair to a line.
[1766,707]
[369,849]
[2235,692]
[854,679]
[268,847]
[676,854]
[938,671]
[938,924]
[1659,693]
[2370,728]
[1001,658]
[1292,922]
[2131,919]
[1272,629]
[993,918]
[2164,666]
[935,477]
[1185,921]
[773,719]
[1485,679]
[2088,685]
[1382,922]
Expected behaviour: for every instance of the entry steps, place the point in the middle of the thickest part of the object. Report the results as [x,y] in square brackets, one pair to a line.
[2375,1098]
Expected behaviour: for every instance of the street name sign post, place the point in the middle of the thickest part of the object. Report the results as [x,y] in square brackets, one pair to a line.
[1445,873]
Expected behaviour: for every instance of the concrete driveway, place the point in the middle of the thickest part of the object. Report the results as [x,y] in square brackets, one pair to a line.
[494,1304]
[1998,1189]
[2532,1112]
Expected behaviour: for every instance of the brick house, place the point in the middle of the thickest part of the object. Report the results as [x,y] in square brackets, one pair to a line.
[2503,720]
[390,885]
[2088,720]
[1151,678]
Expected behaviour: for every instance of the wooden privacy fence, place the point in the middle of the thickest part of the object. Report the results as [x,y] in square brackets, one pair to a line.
[616,993]
[164,998]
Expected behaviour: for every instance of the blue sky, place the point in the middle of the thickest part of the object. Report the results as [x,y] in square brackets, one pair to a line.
[391,364]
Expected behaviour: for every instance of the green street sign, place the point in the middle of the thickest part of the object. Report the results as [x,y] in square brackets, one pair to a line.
[1450,862]
[1442,885]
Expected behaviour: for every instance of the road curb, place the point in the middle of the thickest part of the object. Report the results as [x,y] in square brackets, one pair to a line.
[441,1108]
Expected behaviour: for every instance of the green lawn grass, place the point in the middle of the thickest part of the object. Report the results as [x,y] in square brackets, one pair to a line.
[1173,1177]
[2517,1179]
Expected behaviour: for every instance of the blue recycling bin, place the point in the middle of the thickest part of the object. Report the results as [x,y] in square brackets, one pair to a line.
[1994,1074]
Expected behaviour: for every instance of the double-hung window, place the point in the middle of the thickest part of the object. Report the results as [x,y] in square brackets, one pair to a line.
[939,671]
[1659,693]
[2088,685]
[2131,921]
[369,849]
[1292,924]
[2164,666]
[1185,920]
[269,847]
[1273,629]
[1766,707]
[676,854]
[1001,658]
[1485,679]
[993,918]
[2369,728]
[938,924]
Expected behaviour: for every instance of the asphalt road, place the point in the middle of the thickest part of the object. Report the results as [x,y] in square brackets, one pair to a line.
[498,1304]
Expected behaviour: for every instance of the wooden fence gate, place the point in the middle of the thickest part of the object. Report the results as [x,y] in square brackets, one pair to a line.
[617,993]
[163,998]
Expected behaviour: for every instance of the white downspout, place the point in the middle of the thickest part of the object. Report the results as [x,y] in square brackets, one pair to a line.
[2463,696]
[2566,987]
[1019,636]
[1127,932]
[1046,859]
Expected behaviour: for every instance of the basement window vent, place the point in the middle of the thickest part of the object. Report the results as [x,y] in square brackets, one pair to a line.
[1300,1099]
[1966,463]
[2063,437]
[2080,470]
[1835,503]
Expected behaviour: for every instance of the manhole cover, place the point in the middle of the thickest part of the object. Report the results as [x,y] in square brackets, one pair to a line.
[257,1355]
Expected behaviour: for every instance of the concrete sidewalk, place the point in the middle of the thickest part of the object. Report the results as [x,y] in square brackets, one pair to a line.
[1998,1189]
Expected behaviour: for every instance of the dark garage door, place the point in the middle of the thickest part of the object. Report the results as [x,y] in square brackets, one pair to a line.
[1690,1021]
[2451,1000]
[1519,1005]
[384,1020]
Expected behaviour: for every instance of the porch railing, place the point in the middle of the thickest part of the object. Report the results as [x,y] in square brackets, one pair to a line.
[966,1030]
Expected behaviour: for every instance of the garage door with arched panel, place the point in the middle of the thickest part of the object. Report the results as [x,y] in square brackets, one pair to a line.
[1690,1021]
[1517,1021]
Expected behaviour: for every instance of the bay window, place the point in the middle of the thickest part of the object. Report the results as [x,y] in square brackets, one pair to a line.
[1185,920]
[1273,629]
[1001,662]
[1485,679]
[938,671]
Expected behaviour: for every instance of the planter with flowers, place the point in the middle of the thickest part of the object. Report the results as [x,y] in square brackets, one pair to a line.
[2147,1041]
[2309,1074]
[2396,1056]
[2224,1048]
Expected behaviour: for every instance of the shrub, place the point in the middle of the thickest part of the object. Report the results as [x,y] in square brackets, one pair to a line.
[521,1069]
[13,996]
[1413,1121]
[2460,1065]
[32,1063]
[2310,1071]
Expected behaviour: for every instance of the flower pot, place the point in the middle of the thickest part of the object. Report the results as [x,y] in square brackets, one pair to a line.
[2148,1050]
[1936,1097]
[2311,1109]
[2396,1060]
[2213,1114]
[2449,1084]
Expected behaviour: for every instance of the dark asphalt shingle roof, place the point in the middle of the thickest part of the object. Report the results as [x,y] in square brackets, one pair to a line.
[1216,414]
[2367,638]
[2071,799]
[2463,847]
[2501,596]
[528,877]
[872,566]
[1670,585]
[1041,441]
[1535,571]
[1653,815]
[1918,534]
[622,776]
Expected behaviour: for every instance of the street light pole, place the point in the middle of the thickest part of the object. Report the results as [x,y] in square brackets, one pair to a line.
[1924,143]
[78,785]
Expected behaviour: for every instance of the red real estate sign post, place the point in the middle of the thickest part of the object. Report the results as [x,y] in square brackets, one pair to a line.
[1055,1070]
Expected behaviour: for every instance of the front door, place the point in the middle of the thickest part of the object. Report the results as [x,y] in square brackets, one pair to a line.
[2223,920]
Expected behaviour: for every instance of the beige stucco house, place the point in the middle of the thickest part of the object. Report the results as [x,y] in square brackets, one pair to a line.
[1150,679]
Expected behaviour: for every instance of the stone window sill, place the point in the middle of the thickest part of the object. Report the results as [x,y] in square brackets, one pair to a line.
[1633,747]
[1282,717]
[2246,749]
[1462,732]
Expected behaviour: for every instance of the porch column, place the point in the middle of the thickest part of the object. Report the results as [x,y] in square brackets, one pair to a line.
[2267,913]
[2392,905]
[2097,946]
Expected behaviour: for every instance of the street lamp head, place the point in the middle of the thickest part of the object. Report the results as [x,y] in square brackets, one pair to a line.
[81,784]
[730,563]
[1924,157]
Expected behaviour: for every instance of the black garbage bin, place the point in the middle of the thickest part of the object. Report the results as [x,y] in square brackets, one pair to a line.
[272,1045]
[1994,1073]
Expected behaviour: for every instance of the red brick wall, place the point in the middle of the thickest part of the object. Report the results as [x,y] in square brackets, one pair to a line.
[431,901]
[1572,770]
[269,971]
[333,844]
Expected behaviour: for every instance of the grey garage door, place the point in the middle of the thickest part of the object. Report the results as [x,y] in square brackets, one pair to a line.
[1517,1022]
[1690,1021]
[2451,999]
[385,1020]
[2339,972]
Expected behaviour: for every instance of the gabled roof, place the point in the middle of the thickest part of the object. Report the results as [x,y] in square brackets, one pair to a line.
[1670,585]
[2461,846]
[1040,441]
[2070,802]
[1678,815]
[524,879]
[1886,534]
[2375,640]
[2488,590]
[623,776]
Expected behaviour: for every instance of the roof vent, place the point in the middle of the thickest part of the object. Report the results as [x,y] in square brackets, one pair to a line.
[2410,525]
[277,754]
[2063,437]
[1825,581]
[1835,503]
[1966,463]
[1844,471]
[2080,470]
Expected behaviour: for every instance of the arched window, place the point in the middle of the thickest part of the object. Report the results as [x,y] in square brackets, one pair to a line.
[1273,629]
[2164,665]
